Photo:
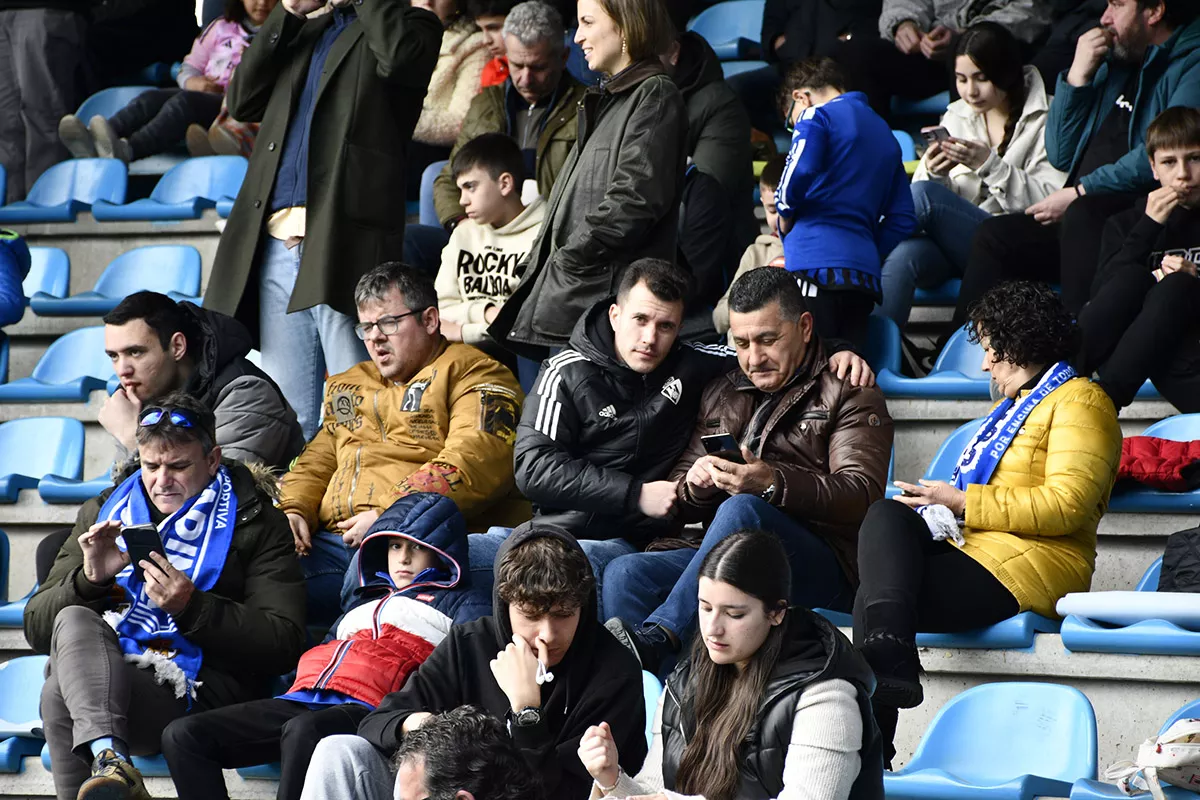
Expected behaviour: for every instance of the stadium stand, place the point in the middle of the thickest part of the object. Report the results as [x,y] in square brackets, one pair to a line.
[68,188]
[170,269]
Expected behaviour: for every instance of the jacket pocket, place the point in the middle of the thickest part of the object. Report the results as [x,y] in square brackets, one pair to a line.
[373,187]
[573,289]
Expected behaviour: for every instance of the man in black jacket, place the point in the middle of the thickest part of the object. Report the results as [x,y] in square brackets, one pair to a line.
[544,621]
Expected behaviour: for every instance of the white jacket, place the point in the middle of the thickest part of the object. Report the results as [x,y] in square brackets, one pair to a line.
[1023,177]
[454,84]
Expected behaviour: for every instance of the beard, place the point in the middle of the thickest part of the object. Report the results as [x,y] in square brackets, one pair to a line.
[1131,48]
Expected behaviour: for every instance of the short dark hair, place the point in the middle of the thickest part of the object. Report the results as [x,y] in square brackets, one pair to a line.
[204,431]
[544,573]
[496,153]
[665,281]
[1025,324]
[235,11]
[1176,13]
[1178,126]
[489,8]
[817,72]
[164,316]
[760,287]
[465,749]
[416,287]
[772,173]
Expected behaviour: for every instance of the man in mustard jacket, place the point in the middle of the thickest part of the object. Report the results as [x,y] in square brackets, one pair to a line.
[423,415]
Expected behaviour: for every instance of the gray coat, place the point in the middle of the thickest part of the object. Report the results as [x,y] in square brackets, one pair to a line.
[1025,19]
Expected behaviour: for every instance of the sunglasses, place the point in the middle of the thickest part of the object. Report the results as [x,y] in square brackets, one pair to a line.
[177,416]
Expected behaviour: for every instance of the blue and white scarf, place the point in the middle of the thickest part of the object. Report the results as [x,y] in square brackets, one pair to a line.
[982,455]
[196,539]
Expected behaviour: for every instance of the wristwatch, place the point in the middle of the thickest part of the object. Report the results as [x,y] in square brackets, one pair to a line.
[769,494]
[525,718]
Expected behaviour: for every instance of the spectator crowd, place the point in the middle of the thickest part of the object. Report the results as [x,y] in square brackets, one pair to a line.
[608,416]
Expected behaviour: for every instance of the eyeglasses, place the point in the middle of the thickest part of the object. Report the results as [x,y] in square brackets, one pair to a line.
[177,416]
[387,325]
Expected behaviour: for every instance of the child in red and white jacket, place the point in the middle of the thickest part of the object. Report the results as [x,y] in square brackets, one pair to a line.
[413,587]
[157,120]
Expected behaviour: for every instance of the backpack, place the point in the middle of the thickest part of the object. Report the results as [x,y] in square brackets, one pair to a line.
[1173,758]
[1181,562]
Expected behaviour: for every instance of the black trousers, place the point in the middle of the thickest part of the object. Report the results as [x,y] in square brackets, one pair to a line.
[875,67]
[197,747]
[158,120]
[1137,328]
[840,316]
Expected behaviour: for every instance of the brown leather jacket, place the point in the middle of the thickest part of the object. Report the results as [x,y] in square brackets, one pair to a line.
[828,442]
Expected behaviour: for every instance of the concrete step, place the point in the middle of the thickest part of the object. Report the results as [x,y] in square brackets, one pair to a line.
[35,782]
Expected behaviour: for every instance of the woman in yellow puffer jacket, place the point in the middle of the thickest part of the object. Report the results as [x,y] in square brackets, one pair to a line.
[1015,529]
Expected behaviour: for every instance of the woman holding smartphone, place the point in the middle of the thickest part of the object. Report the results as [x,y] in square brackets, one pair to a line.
[987,157]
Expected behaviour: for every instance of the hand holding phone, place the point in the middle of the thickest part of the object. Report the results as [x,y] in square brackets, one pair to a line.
[935,133]
[140,542]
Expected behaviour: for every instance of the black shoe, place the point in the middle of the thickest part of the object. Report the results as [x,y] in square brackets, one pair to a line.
[897,693]
[651,644]
[113,778]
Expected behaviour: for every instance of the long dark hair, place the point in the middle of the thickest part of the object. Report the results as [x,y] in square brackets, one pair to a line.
[997,53]
[727,699]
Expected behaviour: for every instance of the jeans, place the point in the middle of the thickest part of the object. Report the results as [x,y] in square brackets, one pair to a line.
[939,250]
[423,245]
[325,568]
[299,347]
[348,766]
[817,577]
[157,120]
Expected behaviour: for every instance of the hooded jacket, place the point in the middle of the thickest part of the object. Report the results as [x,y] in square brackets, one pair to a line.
[383,639]
[1169,75]
[1025,19]
[454,84]
[216,52]
[598,680]
[812,27]
[593,431]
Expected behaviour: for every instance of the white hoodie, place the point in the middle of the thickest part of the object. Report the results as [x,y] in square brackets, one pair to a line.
[479,268]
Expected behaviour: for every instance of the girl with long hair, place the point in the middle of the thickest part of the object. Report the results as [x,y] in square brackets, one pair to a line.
[994,162]
[773,702]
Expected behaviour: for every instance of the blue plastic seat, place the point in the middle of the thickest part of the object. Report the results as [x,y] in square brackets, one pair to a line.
[68,188]
[428,214]
[883,344]
[651,690]
[107,102]
[184,192]
[1013,741]
[225,207]
[1132,498]
[957,374]
[263,772]
[731,68]
[20,694]
[934,105]
[1086,789]
[908,148]
[732,28]
[12,615]
[49,273]
[33,447]
[3,183]
[56,489]
[72,367]
[165,268]
[944,295]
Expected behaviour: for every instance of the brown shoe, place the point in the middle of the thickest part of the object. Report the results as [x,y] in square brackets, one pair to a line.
[223,142]
[197,141]
[113,778]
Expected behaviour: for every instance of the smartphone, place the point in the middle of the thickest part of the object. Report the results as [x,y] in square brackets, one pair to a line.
[723,445]
[140,542]
[935,133]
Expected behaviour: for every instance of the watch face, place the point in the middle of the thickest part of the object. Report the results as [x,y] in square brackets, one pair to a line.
[529,716]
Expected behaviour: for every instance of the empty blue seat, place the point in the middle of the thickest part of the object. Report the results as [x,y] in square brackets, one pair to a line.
[107,102]
[72,367]
[957,374]
[49,272]
[3,183]
[225,207]
[20,694]
[184,192]
[652,690]
[59,490]
[944,295]
[263,772]
[165,268]
[883,344]
[908,148]
[1132,498]
[1013,741]
[731,68]
[428,213]
[934,105]
[1086,789]
[33,447]
[12,615]
[68,188]
[732,28]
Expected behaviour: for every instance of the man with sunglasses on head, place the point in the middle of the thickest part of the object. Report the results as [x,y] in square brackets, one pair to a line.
[206,617]
[422,415]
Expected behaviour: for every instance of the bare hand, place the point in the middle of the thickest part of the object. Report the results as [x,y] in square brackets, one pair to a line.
[302,8]
[938,161]
[930,493]
[657,499]
[354,529]
[753,477]
[908,37]
[119,416]
[847,363]
[968,153]
[775,45]
[515,669]
[490,313]
[598,754]
[1176,264]
[698,476]
[202,83]
[300,534]
[1051,209]
[415,720]
[102,559]
[169,588]
[936,44]
[452,330]
[1090,51]
[1160,203]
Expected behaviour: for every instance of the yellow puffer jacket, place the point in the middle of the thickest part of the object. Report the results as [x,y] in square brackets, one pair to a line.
[1033,525]
[449,430]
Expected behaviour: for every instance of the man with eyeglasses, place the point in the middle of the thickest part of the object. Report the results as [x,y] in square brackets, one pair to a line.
[422,415]
[211,609]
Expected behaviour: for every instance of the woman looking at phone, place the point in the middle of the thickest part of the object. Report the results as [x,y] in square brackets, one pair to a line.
[987,157]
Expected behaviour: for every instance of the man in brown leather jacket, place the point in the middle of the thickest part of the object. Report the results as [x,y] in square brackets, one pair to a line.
[816,452]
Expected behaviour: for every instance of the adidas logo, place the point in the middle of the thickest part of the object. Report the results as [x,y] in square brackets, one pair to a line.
[608,412]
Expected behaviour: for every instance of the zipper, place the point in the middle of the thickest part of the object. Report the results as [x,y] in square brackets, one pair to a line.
[331,667]
[354,480]
[675,700]
[379,418]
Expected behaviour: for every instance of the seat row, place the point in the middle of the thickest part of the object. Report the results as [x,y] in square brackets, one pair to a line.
[172,269]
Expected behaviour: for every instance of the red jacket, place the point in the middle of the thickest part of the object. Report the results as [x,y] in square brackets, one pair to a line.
[1160,463]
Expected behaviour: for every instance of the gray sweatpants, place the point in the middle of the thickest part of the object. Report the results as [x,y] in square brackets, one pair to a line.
[41,56]
[348,766]
[92,692]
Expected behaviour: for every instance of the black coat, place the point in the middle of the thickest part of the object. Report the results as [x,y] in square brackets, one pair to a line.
[812,27]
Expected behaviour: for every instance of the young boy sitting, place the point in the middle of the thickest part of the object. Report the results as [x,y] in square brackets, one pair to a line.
[413,588]
[1144,317]
[767,248]
[480,263]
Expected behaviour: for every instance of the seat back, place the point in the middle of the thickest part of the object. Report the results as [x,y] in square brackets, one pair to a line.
[107,102]
[943,464]
[960,355]
[908,148]
[49,272]
[1149,581]
[39,446]
[428,213]
[1179,428]
[75,355]
[730,20]
[85,180]
[3,184]
[21,682]
[1189,711]
[883,343]
[210,177]
[158,268]
[652,690]
[996,732]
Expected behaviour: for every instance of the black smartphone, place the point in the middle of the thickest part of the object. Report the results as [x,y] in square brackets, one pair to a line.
[724,446]
[140,542]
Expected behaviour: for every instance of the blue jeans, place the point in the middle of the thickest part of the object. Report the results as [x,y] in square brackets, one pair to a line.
[423,246]
[299,347]
[325,568]
[939,251]
[600,552]
[817,577]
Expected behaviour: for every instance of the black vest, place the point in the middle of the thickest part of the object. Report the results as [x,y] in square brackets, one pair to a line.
[765,747]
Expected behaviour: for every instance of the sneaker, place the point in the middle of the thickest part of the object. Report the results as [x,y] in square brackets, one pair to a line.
[113,778]
[197,141]
[224,143]
[651,644]
[108,144]
[76,137]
